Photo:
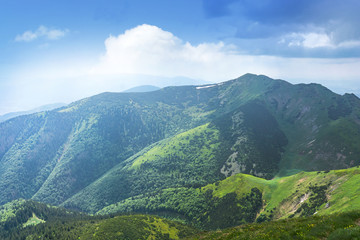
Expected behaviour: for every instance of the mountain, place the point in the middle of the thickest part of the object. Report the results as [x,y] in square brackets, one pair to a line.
[143,88]
[35,110]
[113,147]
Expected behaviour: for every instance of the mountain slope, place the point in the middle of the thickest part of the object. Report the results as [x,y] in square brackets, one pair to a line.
[32,220]
[242,199]
[113,146]
[196,157]
[336,226]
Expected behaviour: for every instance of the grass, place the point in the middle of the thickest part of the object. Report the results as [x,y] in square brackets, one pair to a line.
[135,227]
[175,145]
[241,183]
[34,220]
[338,226]
[345,194]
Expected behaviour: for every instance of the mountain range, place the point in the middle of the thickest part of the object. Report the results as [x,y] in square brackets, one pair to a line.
[47,107]
[196,153]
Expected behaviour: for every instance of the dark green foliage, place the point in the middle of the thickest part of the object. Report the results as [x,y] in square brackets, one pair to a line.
[64,224]
[266,217]
[316,199]
[341,108]
[199,208]
[230,211]
[253,134]
[351,232]
[12,226]
[336,226]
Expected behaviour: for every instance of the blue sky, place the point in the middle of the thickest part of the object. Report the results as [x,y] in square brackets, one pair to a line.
[61,51]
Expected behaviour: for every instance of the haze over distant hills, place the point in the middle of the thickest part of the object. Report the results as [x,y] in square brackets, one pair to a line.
[47,107]
[77,90]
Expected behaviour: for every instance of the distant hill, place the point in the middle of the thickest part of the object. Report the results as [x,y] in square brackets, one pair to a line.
[143,88]
[113,147]
[38,109]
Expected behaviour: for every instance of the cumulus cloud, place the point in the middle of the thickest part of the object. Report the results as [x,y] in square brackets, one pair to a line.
[150,50]
[41,32]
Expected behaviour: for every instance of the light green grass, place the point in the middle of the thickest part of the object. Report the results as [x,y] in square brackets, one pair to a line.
[284,193]
[34,220]
[240,183]
[9,209]
[176,144]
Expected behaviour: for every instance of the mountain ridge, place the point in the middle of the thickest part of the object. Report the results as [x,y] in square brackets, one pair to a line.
[143,88]
[66,154]
[47,107]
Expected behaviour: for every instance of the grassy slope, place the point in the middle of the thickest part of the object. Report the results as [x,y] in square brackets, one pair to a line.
[135,227]
[285,193]
[175,146]
[115,227]
[303,194]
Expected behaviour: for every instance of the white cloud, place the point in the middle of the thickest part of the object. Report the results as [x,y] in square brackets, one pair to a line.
[308,40]
[312,40]
[26,37]
[150,50]
[41,32]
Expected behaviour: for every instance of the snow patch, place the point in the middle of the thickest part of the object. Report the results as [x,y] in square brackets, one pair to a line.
[208,86]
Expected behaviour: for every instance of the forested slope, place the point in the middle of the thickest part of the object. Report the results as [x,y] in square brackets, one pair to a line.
[114,146]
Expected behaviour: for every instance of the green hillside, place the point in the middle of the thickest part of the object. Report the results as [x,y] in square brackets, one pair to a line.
[193,158]
[116,146]
[244,198]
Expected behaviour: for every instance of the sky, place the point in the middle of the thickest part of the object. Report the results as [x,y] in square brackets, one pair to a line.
[62,51]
